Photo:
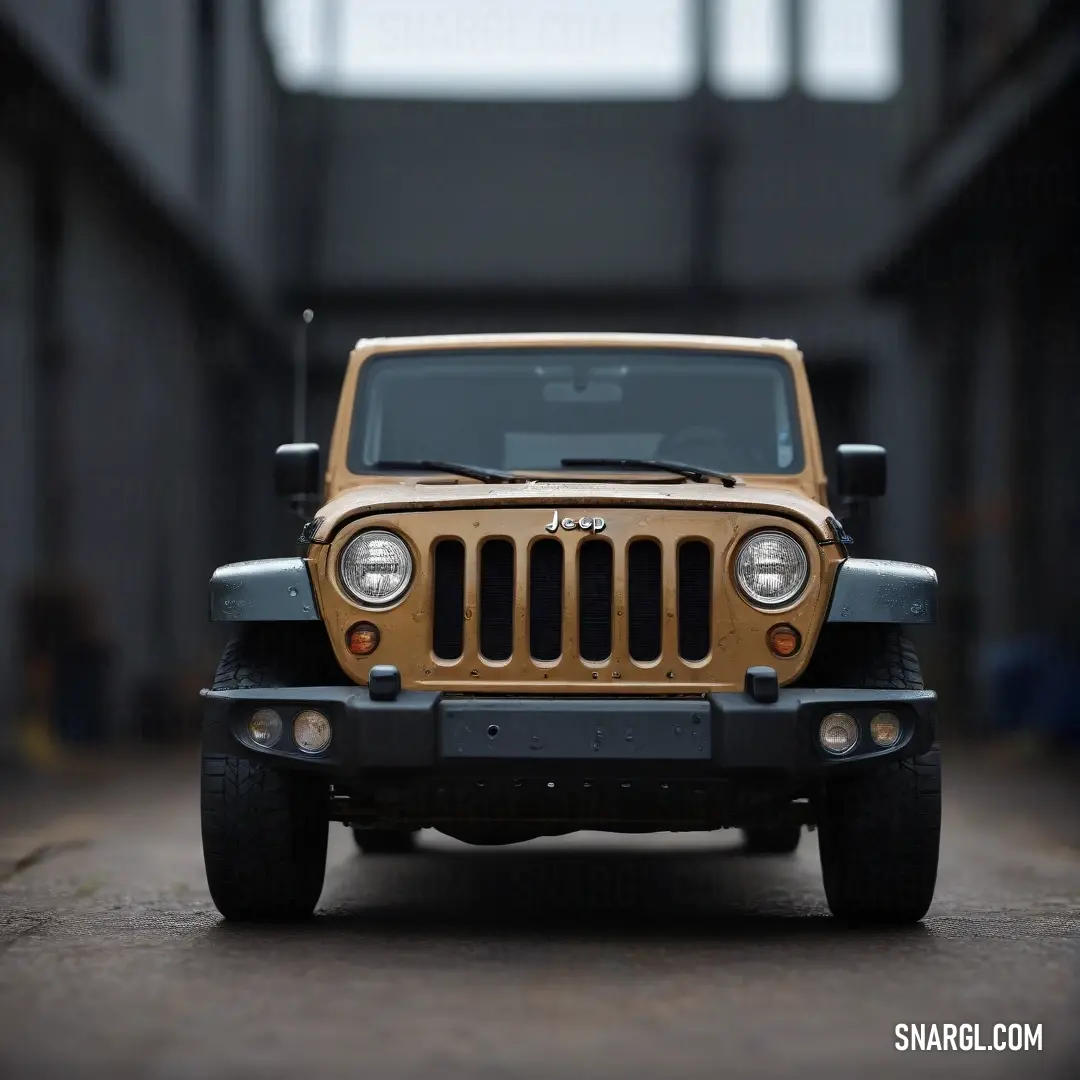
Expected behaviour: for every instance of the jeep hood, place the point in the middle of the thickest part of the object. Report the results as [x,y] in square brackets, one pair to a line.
[413,495]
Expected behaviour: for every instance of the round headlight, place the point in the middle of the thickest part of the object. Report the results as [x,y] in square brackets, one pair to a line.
[264,727]
[885,729]
[376,567]
[311,731]
[839,732]
[771,568]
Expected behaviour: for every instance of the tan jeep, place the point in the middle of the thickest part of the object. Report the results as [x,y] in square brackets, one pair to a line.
[572,581]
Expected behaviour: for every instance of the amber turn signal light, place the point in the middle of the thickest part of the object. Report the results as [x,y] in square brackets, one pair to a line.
[362,638]
[784,640]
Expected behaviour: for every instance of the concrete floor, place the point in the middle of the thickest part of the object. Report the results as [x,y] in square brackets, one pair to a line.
[587,956]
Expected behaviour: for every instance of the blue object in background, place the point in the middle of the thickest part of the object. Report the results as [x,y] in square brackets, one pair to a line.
[1032,686]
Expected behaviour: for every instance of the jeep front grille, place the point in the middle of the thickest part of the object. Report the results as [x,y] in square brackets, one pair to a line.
[594,600]
[695,595]
[497,600]
[570,591]
[449,622]
[545,600]
[645,600]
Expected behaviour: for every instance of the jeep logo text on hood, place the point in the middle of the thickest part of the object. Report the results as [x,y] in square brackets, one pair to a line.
[586,524]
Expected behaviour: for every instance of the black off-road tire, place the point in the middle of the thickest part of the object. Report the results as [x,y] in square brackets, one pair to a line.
[264,830]
[264,839]
[385,841]
[772,839]
[879,832]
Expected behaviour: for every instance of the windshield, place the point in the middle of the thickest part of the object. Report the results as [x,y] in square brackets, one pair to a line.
[528,408]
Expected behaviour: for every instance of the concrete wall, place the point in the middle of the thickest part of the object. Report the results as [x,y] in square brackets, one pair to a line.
[246,213]
[170,415]
[143,392]
[436,194]
[16,345]
[133,433]
[808,192]
[146,109]
[988,271]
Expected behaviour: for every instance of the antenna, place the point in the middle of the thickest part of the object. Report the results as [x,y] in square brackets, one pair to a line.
[300,365]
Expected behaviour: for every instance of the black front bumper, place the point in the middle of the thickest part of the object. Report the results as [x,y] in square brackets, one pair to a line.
[435,735]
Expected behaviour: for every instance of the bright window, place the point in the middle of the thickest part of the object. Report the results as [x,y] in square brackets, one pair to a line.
[850,49]
[486,48]
[750,48]
[300,53]
[582,49]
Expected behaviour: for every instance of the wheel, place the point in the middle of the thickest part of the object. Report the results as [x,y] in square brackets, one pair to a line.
[264,830]
[772,839]
[264,839]
[878,840]
[385,841]
[879,832]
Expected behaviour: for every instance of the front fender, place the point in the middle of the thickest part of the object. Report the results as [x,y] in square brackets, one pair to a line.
[263,590]
[883,591]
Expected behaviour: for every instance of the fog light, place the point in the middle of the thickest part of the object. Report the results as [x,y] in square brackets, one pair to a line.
[311,731]
[885,729]
[784,640]
[264,727]
[839,732]
[362,639]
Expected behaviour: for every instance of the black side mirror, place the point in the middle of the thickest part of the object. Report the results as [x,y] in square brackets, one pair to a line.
[860,471]
[296,470]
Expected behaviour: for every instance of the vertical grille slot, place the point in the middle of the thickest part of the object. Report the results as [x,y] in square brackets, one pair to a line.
[545,599]
[645,599]
[594,600]
[695,599]
[448,618]
[497,600]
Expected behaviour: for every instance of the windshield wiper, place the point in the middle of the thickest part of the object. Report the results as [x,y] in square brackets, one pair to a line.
[474,472]
[680,468]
